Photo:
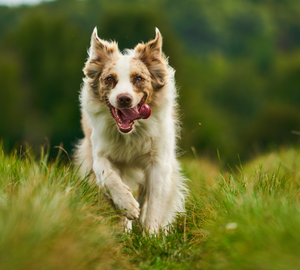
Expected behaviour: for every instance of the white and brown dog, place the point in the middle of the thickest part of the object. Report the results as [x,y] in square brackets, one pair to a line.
[124,148]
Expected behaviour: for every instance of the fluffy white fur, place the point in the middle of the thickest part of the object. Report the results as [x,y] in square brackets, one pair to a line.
[145,158]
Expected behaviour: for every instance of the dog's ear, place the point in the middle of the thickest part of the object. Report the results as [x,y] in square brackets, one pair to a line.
[100,53]
[152,56]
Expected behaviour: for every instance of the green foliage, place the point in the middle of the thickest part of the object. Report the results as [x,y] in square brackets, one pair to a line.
[237,68]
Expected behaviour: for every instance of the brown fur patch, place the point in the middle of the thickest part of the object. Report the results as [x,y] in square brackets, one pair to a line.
[104,53]
[83,155]
[151,55]
[107,85]
[139,70]
[85,126]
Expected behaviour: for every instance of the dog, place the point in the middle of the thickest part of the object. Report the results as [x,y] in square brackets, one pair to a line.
[130,124]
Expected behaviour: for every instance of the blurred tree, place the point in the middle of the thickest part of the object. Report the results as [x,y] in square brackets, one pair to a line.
[237,63]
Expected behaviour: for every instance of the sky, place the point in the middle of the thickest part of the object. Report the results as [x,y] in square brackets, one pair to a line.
[19,2]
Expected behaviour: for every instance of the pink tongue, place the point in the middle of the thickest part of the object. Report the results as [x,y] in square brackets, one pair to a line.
[130,114]
[145,111]
[134,113]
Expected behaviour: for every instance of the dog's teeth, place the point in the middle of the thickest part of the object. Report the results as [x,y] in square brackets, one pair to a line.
[116,110]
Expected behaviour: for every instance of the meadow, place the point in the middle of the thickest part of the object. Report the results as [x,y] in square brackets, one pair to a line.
[237,69]
[237,217]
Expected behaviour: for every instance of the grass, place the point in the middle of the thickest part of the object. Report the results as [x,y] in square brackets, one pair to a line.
[249,218]
[52,219]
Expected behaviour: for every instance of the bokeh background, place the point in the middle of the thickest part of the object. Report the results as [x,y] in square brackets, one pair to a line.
[237,63]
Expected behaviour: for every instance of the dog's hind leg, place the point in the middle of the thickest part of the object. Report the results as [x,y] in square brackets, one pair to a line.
[158,178]
[142,200]
[165,192]
[175,196]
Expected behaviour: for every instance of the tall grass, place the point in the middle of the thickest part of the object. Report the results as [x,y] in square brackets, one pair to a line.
[50,218]
[246,219]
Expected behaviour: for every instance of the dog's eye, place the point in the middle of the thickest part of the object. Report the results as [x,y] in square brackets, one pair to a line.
[109,79]
[138,79]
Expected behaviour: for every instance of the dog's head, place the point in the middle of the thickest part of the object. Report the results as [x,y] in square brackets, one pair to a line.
[126,82]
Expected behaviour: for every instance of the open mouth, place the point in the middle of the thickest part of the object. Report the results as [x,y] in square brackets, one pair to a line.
[125,118]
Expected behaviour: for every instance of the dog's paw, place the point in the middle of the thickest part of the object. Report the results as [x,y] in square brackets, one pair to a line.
[125,202]
[126,224]
[152,228]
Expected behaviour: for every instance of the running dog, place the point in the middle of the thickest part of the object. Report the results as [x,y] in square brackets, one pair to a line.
[129,119]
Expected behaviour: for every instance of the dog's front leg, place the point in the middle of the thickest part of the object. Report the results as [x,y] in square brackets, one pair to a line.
[158,179]
[120,193]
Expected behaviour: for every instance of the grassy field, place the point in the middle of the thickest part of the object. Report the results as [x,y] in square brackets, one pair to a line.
[248,218]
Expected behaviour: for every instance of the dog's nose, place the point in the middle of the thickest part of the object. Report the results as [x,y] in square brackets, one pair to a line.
[124,100]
